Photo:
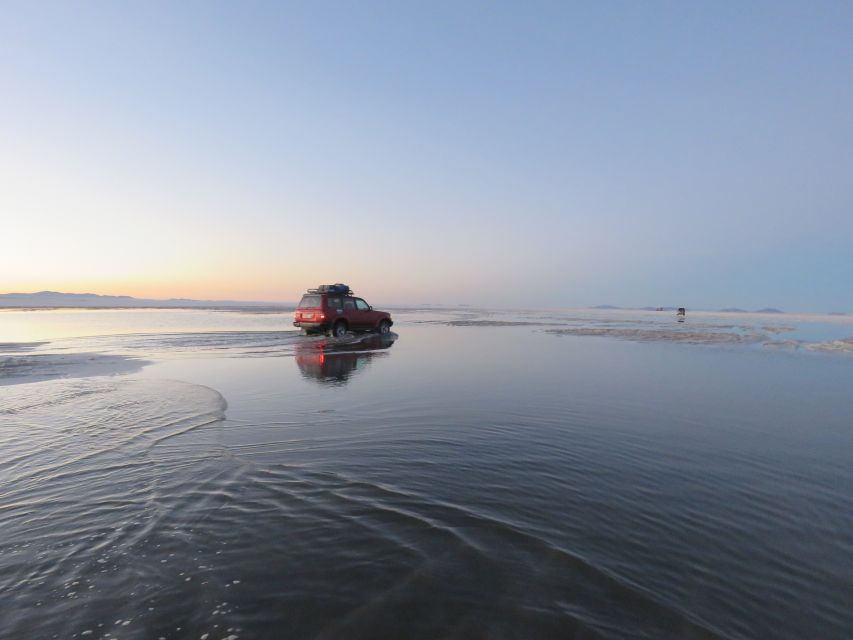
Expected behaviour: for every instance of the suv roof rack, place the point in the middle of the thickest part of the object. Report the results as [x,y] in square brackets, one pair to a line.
[334,289]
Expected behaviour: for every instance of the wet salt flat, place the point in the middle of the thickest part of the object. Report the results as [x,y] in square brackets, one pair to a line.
[578,474]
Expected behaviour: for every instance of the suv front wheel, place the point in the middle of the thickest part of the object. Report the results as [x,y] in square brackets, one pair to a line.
[384,328]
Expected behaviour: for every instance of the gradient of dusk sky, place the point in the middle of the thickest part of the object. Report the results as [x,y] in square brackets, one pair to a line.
[512,154]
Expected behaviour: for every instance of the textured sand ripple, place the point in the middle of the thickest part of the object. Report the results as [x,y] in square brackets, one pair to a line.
[844,345]
[33,367]
[664,335]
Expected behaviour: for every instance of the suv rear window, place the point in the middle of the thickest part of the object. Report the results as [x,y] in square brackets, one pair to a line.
[309,302]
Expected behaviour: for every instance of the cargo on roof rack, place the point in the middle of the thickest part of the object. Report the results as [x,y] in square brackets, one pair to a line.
[339,288]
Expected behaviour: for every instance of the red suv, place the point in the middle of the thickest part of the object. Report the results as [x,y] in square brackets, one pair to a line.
[334,311]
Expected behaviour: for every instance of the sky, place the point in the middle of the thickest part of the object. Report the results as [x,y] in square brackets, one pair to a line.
[548,154]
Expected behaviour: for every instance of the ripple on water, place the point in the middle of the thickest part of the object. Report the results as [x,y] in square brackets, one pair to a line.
[124,514]
[126,511]
[80,476]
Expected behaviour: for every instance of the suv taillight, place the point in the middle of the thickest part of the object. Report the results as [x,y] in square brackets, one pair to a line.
[314,315]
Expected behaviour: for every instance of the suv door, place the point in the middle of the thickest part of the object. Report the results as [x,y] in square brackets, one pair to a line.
[334,309]
[350,313]
[363,315]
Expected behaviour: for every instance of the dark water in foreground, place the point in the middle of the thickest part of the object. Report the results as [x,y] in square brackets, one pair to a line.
[464,482]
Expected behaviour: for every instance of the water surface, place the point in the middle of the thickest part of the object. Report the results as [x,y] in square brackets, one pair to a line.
[466,480]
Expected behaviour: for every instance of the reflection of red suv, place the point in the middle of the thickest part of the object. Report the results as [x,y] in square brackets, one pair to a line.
[337,313]
[334,361]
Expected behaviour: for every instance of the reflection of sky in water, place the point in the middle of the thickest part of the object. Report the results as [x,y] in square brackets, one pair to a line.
[187,333]
[819,331]
[50,324]
[478,458]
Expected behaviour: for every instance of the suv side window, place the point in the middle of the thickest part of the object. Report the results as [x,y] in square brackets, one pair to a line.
[361,305]
[349,304]
[333,302]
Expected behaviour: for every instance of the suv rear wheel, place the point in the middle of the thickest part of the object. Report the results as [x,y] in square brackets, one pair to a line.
[339,329]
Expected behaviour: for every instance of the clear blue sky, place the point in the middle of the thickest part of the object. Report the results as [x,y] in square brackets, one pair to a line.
[548,154]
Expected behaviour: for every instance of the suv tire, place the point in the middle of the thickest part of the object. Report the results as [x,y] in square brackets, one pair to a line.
[339,329]
[384,328]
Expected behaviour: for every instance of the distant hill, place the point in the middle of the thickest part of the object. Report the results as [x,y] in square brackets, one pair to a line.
[836,313]
[606,306]
[56,299]
[737,310]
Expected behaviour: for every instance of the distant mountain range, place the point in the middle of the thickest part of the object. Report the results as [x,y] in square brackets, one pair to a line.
[765,310]
[56,299]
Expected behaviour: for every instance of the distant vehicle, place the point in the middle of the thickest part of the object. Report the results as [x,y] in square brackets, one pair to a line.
[333,310]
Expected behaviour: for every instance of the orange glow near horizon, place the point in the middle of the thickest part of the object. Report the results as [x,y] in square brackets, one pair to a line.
[241,275]
[175,288]
[246,288]
[271,289]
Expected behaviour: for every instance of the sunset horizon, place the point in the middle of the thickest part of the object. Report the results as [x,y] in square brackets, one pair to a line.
[753,306]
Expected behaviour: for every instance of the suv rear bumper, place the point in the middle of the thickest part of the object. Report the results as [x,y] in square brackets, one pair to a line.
[313,326]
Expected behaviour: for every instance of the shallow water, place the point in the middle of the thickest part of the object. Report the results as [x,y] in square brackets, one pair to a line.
[461,481]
